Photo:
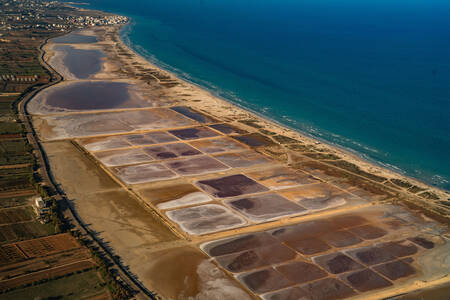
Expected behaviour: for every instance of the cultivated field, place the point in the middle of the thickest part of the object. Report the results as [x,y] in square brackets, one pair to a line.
[77,286]
[33,260]
[18,221]
[25,260]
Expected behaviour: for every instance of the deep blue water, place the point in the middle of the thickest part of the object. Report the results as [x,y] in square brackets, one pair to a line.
[372,76]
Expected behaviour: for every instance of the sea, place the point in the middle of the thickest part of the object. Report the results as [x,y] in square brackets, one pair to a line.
[370,76]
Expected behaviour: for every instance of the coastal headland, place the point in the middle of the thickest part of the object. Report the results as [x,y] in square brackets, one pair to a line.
[202,199]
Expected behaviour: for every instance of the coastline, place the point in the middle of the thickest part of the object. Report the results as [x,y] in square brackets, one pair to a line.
[188,94]
[364,159]
[275,126]
[377,156]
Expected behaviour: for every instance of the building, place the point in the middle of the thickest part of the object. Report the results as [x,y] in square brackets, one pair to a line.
[41,209]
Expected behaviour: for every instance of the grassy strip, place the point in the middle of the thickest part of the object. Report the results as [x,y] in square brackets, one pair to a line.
[77,285]
[10,128]
[14,201]
[118,289]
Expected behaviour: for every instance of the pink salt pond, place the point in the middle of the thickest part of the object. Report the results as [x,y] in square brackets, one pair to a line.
[122,157]
[205,219]
[197,165]
[243,159]
[144,173]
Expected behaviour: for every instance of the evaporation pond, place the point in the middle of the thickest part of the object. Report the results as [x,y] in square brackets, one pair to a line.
[81,62]
[89,95]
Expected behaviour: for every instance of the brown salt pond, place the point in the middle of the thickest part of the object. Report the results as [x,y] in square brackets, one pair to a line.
[318,269]
[366,280]
[300,272]
[341,238]
[292,293]
[174,196]
[384,252]
[204,219]
[221,144]
[197,165]
[328,288]
[423,242]
[256,257]
[193,133]
[308,246]
[229,186]
[143,173]
[336,263]
[238,244]
[368,232]
[263,281]
[395,270]
[304,230]
[348,220]
[282,177]
[267,207]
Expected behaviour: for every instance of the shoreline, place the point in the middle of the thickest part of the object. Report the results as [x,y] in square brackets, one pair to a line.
[364,163]
[353,154]
[211,106]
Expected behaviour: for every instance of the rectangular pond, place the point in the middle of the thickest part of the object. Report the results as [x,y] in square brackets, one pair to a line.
[84,125]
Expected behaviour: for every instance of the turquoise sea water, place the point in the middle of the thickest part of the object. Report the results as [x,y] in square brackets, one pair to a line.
[372,76]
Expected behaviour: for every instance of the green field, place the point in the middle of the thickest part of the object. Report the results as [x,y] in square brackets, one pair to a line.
[13,201]
[5,107]
[77,286]
[24,231]
[15,152]
[10,127]
[16,171]
[16,215]
[15,182]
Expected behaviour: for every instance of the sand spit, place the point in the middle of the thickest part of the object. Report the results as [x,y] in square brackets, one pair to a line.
[204,200]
